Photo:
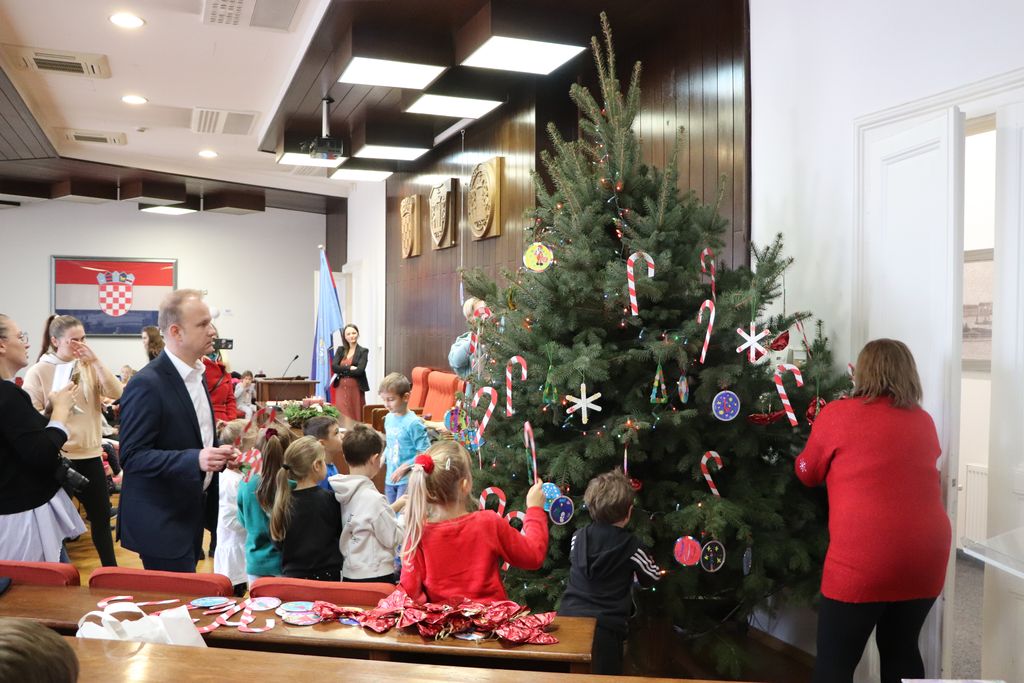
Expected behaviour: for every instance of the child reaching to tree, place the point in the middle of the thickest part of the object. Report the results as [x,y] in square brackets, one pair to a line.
[306,520]
[451,553]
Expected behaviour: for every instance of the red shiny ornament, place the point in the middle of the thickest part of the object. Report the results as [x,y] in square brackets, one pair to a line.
[636,484]
[766,418]
[814,408]
[780,343]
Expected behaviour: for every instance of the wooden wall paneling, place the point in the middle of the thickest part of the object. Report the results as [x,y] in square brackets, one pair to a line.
[20,135]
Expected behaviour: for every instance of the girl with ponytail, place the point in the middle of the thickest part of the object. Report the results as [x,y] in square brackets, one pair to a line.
[450,553]
[306,519]
[256,500]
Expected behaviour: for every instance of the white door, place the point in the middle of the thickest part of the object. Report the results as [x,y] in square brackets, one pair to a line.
[907,286]
[1003,616]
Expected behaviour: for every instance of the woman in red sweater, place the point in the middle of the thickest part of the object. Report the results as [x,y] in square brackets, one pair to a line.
[449,553]
[877,452]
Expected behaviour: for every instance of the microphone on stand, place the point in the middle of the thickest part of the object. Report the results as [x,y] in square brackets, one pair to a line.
[288,367]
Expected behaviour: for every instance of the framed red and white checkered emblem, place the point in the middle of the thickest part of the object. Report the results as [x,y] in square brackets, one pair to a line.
[116,296]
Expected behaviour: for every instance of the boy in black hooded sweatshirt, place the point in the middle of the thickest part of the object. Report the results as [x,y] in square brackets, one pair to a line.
[604,560]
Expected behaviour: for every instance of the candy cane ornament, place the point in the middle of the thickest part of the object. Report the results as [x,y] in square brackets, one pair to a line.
[481,314]
[529,442]
[631,278]
[704,268]
[711,455]
[807,347]
[494,491]
[509,412]
[490,391]
[521,516]
[710,306]
[782,369]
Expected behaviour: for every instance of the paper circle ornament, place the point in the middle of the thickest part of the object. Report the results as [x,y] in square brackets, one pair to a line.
[712,556]
[726,405]
[562,509]
[687,551]
[551,493]
[538,257]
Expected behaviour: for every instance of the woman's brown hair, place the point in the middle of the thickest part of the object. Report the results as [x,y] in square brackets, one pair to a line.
[885,367]
[56,326]
[154,341]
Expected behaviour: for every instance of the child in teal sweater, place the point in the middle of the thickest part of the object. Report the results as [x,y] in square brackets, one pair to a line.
[256,500]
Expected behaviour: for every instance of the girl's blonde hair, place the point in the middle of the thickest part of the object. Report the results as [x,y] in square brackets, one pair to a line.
[299,460]
[442,486]
[885,367]
[231,432]
[271,441]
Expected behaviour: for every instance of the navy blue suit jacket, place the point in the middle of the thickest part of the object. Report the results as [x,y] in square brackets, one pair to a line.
[161,508]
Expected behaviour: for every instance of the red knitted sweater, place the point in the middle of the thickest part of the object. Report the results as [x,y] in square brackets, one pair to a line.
[889,533]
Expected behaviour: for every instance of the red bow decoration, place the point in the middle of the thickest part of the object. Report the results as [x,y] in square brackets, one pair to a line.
[780,343]
[814,408]
[766,418]
[424,461]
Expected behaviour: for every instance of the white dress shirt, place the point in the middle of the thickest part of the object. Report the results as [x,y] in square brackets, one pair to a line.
[192,375]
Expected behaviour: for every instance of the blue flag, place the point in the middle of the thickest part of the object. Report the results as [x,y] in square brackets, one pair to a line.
[328,321]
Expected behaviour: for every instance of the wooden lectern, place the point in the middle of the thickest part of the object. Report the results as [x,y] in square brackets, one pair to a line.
[284,389]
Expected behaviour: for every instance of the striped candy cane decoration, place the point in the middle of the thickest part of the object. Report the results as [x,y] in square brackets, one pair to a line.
[807,347]
[782,369]
[704,268]
[625,458]
[481,314]
[529,442]
[490,391]
[849,371]
[710,305]
[521,516]
[508,382]
[711,455]
[494,491]
[631,278]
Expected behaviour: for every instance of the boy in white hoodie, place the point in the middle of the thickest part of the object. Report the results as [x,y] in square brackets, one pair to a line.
[371,532]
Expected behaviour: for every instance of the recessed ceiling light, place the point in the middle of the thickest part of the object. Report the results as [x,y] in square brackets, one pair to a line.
[134,99]
[359,174]
[388,73]
[519,54]
[301,159]
[391,152]
[126,20]
[207,154]
[457,107]
[166,210]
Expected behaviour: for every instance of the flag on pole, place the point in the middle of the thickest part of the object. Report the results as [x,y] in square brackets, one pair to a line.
[328,322]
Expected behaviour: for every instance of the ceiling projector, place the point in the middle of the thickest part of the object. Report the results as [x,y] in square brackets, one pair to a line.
[325,147]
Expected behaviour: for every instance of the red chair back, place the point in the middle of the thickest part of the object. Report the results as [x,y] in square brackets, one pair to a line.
[41,573]
[441,394]
[340,593]
[419,387]
[123,578]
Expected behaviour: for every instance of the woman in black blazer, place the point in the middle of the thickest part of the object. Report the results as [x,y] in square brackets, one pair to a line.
[36,514]
[349,366]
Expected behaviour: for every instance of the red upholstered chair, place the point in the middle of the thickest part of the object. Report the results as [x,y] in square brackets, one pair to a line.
[41,573]
[441,394]
[123,578]
[340,593]
[419,387]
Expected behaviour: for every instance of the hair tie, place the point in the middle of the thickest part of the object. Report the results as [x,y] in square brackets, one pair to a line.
[424,461]
[292,483]
[286,466]
[448,463]
[269,432]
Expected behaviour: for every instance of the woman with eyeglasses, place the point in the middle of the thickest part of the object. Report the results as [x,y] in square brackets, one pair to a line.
[36,514]
[65,350]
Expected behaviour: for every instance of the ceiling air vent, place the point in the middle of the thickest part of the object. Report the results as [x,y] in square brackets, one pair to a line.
[97,136]
[59,62]
[310,171]
[272,14]
[222,121]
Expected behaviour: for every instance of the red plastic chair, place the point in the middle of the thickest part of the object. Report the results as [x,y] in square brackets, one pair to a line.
[123,578]
[418,396]
[441,394]
[340,593]
[41,573]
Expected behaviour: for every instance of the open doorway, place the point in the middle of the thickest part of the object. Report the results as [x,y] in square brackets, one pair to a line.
[975,389]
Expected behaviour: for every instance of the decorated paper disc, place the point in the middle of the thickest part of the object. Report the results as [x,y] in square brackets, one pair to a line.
[538,257]
[301,618]
[561,510]
[348,621]
[551,492]
[726,405]
[712,556]
[687,551]
[298,606]
[213,601]
[262,604]
[748,560]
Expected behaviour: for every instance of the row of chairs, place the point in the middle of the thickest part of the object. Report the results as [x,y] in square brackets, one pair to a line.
[433,393]
[174,583]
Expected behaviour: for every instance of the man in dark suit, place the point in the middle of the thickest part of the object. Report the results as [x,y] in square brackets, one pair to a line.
[168,442]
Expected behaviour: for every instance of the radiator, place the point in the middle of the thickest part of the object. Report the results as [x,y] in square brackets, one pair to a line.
[976,502]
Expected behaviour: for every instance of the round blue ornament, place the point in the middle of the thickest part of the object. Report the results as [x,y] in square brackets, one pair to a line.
[561,510]
[551,492]
[726,405]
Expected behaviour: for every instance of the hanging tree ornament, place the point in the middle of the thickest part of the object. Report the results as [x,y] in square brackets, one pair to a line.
[748,560]
[631,278]
[752,344]
[726,405]
[490,391]
[584,403]
[807,347]
[780,343]
[814,409]
[710,305]
[538,257]
[687,551]
[777,378]
[717,459]
[712,556]
[659,392]
[509,412]
[532,446]
[548,393]
[765,419]
[684,388]
[709,266]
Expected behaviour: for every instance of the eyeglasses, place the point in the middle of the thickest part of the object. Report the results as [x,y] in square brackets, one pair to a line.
[23,336]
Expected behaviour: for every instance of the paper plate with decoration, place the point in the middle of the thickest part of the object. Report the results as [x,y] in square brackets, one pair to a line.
[712,556]
[726,405]
[687,551]
[538,257]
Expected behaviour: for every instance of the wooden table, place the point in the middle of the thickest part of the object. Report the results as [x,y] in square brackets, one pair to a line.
[61,608]
[116,662]
[283,389]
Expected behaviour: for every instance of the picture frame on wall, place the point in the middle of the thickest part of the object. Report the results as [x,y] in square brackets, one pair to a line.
[112,296]
[979,273]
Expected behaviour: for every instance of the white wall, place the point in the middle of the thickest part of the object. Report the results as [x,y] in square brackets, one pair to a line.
[364,300]
[256,269]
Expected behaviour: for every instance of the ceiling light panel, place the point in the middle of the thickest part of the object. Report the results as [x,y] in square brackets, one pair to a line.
[388,73]
[391,152]
[208,154]
[134,99]
[126,20]
[303,159]
[360,174]
[457,107]
[519,54]
[167,210]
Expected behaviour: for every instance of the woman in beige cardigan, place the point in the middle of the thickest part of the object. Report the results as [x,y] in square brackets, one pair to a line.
[64,342]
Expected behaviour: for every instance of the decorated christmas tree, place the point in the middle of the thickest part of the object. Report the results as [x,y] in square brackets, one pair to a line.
[625,344]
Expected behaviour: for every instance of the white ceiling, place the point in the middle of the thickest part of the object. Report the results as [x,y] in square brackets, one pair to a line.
[178,63]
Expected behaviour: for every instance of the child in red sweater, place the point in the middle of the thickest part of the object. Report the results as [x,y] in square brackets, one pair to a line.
[449,553]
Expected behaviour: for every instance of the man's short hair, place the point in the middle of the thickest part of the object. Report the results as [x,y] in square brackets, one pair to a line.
[395,383]
[319,427]
[609,497]
[170,308]
[360,444]
[30,651]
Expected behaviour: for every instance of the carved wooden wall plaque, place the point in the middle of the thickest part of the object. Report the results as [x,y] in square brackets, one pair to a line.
[411,226]
[485,199]
[443,213]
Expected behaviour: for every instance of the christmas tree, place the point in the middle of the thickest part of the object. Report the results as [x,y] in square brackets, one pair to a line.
[699,425]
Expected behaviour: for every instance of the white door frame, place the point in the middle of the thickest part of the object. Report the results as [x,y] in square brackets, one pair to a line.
[975,99]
